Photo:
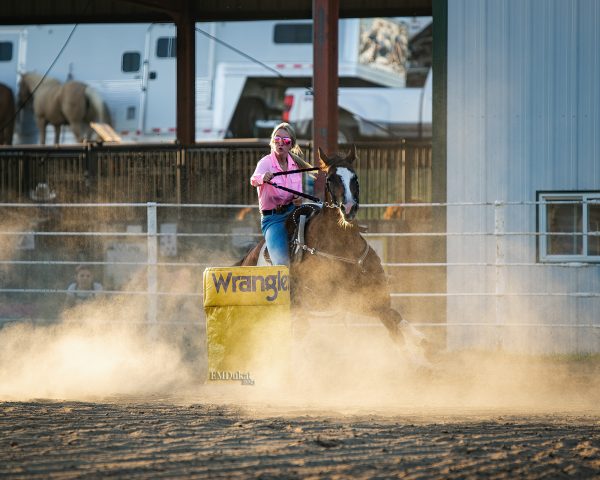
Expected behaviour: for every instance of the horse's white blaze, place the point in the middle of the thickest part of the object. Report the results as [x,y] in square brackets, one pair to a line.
[346,175]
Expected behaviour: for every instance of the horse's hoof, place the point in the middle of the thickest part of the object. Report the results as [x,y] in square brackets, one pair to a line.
[411,334]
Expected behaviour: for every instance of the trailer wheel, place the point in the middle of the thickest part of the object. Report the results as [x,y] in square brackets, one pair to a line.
[248,111]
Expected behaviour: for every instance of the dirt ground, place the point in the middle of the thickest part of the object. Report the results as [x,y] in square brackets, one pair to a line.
[94,402]
[128,438]
[488,426]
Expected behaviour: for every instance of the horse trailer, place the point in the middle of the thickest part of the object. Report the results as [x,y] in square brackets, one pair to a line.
[242,68]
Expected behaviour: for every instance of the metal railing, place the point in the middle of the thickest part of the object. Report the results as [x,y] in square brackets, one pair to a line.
[19,233]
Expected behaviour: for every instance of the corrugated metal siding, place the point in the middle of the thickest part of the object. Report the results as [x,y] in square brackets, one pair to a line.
[523,115]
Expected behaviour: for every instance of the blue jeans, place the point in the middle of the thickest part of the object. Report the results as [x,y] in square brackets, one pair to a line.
[273,229]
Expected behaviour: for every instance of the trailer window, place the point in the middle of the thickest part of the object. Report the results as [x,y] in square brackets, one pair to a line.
[569,225]
[292,33]
[131,62]
[6,51]
[166,47]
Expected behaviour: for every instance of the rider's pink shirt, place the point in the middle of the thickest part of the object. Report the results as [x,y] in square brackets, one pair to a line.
[270,197]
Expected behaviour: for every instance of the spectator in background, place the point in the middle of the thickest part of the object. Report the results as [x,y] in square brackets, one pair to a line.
[83,288]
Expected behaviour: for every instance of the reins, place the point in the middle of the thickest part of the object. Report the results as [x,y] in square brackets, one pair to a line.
[300,170]
[359,261]
[302,194]
[296,192]
[313,251]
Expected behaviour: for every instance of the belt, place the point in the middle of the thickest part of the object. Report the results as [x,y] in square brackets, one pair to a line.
[280,209]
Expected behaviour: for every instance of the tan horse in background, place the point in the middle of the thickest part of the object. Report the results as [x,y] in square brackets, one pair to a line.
[72,103]
[7,114]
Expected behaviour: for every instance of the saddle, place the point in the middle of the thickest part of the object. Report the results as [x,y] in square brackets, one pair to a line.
[296,226]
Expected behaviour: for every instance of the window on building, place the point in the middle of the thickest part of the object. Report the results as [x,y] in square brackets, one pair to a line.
[166,47]
[569,224]
[292,33]
[6,51]
[130,113]
[131,62]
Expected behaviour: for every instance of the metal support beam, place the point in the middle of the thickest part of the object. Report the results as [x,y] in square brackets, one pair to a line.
[186,75]
[325,80]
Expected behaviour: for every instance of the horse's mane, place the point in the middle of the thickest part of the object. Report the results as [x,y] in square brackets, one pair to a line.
[32,79]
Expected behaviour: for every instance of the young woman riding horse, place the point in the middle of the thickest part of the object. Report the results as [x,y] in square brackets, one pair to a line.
[275,203]
[339,270]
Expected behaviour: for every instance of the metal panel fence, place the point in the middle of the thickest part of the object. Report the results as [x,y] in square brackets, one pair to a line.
[157,265]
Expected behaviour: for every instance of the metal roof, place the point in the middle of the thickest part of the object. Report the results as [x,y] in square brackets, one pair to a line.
[18,12]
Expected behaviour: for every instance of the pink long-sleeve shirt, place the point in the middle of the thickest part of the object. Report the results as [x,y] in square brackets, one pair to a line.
[270,197]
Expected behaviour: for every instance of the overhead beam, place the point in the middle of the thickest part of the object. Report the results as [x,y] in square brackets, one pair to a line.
[29,12]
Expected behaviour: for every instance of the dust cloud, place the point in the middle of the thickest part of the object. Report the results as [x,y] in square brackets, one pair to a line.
[359,370]
[341,362]
[107,353]
[349,363]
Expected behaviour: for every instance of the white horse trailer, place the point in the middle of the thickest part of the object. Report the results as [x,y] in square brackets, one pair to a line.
[242,69]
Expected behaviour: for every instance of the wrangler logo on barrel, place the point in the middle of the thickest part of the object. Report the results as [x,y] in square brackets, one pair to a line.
[251,283]
[268,286]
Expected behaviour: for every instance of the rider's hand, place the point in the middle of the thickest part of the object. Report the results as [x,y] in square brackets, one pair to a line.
[267,176]
[297,200]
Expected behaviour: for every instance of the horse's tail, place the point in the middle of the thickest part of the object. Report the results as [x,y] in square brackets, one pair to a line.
[98,106]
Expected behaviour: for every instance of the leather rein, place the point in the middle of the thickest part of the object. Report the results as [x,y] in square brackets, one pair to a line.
[354,261]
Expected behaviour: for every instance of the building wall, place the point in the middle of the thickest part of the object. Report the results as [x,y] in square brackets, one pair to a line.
[523,115]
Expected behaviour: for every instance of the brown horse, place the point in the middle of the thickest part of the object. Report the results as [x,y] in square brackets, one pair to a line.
[73,103]
[336,255]
[7,114]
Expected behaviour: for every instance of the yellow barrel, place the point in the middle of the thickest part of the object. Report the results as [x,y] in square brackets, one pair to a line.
[248,326]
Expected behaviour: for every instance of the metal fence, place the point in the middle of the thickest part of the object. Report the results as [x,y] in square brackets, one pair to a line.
[156,257]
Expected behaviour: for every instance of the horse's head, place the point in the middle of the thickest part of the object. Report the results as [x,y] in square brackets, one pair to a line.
[341,182]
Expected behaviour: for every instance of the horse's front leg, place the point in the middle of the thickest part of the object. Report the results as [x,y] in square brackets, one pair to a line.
[400,329]
[41,124]
[78,131]
[56,134]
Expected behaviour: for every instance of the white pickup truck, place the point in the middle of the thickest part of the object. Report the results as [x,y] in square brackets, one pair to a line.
[368,112]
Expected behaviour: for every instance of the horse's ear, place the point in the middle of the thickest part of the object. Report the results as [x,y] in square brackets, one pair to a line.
[323,160]
[351,154]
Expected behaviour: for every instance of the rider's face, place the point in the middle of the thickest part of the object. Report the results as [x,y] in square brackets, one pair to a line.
[282,143]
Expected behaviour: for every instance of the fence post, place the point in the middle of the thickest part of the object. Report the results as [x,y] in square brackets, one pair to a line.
[499,269]
[152,281]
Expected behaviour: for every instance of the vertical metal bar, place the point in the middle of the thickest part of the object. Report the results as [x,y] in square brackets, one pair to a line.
[152,280]
[325,80]
[499,269]
[186,75]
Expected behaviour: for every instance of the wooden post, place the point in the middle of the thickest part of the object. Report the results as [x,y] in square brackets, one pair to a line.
[325,80]
[186,75]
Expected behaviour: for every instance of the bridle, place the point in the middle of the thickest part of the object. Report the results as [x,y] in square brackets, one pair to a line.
[330,256]
[338,205]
